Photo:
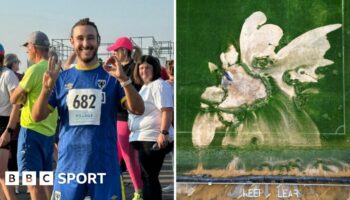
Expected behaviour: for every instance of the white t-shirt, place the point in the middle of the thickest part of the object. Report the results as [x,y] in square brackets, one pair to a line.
[156,95]
[8,82]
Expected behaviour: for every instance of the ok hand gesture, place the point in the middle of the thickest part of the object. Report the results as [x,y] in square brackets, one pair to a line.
[115,69]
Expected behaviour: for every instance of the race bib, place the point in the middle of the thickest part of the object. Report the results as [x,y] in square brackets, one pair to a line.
[84,106]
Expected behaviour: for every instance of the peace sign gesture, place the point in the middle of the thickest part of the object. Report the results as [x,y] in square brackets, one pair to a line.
[115,69]
[51,73]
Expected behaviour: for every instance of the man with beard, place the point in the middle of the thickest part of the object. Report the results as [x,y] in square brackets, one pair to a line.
[86,97]
[35,141]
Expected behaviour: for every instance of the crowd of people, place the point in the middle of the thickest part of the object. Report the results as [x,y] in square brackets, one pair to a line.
[88,114]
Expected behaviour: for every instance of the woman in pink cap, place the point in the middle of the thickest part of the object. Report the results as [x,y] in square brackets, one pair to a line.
[121,50]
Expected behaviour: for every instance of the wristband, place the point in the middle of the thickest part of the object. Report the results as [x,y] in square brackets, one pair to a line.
[125,83]
[164,132]
[10,130]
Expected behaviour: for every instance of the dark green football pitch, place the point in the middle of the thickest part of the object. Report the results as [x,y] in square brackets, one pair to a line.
[205,28]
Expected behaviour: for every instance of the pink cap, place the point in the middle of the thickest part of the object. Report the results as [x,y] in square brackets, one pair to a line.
[121,42]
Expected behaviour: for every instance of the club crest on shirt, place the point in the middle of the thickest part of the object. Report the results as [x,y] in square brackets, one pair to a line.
[101,83]
[114,197]
[68,86]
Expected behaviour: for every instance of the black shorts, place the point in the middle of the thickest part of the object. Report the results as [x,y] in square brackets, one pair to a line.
[3,124]
[12,145]
[12,164]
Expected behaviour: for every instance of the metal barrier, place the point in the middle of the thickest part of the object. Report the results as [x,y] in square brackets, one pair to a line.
[163,50]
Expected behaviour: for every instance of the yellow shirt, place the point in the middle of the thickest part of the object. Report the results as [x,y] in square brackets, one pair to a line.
[32,83]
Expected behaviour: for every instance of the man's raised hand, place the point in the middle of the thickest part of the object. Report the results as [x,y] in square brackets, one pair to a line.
[51,73]
[115,69]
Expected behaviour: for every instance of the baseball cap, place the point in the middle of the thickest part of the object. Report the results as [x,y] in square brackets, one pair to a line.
[10,58]
[38,38]
[2,50]
[121,42]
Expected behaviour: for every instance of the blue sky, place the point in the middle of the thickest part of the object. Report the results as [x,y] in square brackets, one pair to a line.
[113,18]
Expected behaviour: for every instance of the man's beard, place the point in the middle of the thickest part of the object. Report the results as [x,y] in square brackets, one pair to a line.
[89,59]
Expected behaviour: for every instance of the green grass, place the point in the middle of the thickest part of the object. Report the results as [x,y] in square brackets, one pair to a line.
[205,28]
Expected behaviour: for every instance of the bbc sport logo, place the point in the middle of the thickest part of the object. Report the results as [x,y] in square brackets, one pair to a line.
[47,177]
